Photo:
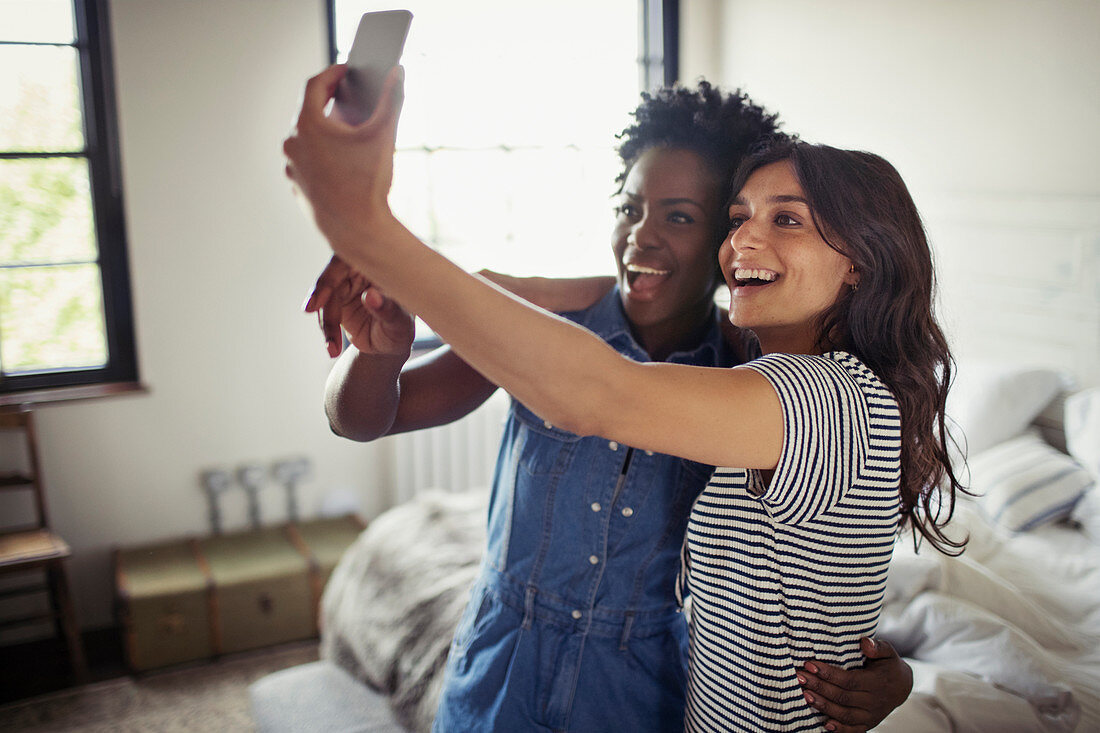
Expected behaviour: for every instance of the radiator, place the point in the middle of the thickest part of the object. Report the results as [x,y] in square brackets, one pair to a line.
[455,457]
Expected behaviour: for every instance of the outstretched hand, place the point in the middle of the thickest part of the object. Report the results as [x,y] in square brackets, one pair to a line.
[856,700]
[343,172]
[345,301]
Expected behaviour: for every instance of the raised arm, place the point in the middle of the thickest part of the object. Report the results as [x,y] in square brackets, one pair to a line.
[570,377]
[562,372]
[367,398]
[373,389]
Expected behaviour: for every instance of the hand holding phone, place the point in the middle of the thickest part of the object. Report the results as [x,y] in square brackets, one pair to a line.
[375,50]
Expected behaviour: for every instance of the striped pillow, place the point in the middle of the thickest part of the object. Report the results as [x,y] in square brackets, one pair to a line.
[1025,482]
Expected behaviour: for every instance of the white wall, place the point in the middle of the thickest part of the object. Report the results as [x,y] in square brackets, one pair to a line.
[961,95]
[221,259]
[988,108]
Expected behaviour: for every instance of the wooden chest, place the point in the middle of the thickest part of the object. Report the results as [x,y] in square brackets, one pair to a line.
[197,598]
[262,593]
[162,603]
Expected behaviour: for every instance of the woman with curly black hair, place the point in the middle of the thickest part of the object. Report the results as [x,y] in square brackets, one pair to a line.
[574,623]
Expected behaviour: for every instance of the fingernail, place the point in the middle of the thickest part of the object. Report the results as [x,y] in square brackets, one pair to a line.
[801,679]
[830,726]
[810,698]
[812,667]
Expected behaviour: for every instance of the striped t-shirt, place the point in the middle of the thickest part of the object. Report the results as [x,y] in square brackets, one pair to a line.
[796,569]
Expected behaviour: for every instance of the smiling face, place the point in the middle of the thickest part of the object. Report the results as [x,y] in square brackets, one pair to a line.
[781,272]
[666,224]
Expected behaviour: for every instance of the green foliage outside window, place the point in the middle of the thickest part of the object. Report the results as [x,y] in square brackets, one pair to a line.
[51,301]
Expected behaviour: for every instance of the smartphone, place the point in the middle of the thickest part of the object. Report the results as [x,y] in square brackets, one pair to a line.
[375,50]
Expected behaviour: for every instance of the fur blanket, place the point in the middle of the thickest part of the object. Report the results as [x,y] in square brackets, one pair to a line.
[394,600]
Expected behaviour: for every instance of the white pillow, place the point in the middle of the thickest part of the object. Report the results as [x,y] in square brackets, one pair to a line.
[1025,482]
[990,402]
[1082,422]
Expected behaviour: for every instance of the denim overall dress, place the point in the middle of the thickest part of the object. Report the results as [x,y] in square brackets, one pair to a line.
[573,622]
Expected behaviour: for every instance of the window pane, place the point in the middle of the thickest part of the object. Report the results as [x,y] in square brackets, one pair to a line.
[40,21]
[40,100]
[541,211]
[506,144]
[520,73]
[577,238]
[470,199]
[411,195]
[51,318]
[45,211]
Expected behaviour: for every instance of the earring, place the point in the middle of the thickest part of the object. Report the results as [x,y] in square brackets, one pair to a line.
[855,285]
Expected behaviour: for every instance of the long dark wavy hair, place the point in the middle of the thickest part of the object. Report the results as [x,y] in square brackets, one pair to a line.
[862,209]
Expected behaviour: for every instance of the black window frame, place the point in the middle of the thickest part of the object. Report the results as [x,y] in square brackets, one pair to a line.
[659,42]
[93,46]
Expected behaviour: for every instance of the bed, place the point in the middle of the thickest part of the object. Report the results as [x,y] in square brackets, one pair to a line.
[1004,638]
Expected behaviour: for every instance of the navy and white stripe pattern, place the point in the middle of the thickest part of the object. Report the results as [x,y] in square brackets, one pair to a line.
[796,569]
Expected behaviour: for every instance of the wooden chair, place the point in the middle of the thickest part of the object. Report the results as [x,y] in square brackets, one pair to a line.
[35,547]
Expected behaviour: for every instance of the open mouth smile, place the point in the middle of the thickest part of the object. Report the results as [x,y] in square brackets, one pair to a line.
[749,277]
[642,278]
[643,270]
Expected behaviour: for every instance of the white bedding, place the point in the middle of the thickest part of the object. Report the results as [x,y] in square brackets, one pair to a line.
[1003,638]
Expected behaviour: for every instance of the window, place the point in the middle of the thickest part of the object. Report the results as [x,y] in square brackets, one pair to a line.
[506,149]
[65,315]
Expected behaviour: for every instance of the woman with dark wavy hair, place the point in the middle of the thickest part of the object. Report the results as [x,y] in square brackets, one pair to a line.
[862,209]
[829,449]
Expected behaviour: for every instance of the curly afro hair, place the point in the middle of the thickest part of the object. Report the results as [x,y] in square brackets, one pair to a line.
[722,128]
